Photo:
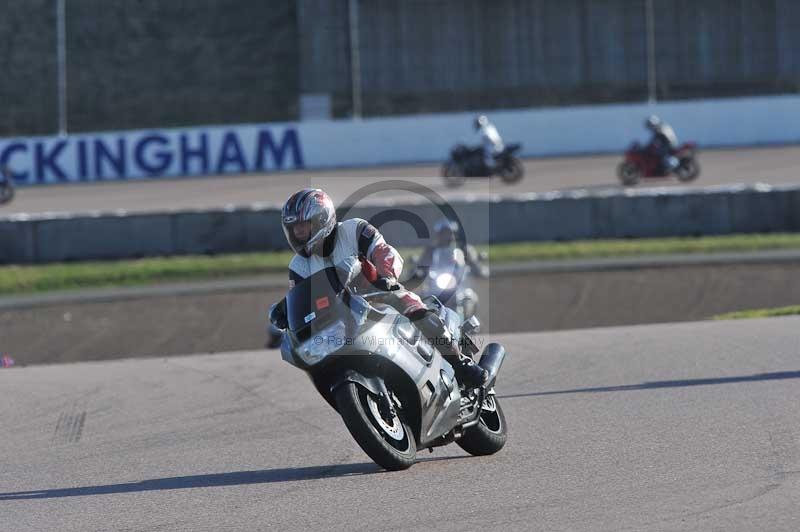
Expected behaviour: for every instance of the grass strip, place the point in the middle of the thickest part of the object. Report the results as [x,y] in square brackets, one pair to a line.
[587,249]
[79,275]
[760,313]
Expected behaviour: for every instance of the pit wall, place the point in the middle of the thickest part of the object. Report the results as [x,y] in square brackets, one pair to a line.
[535,217]
[235,149]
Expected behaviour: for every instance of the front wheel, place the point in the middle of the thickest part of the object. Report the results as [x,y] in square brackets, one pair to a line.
[629,173]
[512,171]
[453,174]
[688,170]
[389,442]
[490,434]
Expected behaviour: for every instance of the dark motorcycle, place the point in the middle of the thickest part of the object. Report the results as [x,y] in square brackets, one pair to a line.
[392,388]
[641,162]
[467,162]
[6,186]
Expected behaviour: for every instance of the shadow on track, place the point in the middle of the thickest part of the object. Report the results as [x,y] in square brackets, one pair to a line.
[666,384]
[205,481]
[237,478]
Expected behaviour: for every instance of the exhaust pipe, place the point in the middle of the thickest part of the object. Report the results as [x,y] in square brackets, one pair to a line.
[491,360]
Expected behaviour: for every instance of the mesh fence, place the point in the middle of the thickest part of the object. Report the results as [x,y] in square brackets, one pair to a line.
[151,63]
[450,55]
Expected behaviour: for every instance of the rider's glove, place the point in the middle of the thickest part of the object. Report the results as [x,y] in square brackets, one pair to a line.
[277,315]
[387,284]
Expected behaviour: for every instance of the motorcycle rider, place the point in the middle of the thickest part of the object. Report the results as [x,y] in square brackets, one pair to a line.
[319,241]
[444,236]
[664,142]
[492,143]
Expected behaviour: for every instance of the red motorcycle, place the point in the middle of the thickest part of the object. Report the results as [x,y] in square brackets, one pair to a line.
[641,162]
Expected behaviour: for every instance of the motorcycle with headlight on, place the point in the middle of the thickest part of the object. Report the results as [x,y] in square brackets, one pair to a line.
[448,278]
[393,389]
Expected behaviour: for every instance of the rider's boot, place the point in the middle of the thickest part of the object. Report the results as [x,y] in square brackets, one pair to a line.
[467,371]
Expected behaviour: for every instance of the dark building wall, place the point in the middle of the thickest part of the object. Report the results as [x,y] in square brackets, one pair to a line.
[28,96]
[159,63]
[727,47]
[156,63]
[449,55]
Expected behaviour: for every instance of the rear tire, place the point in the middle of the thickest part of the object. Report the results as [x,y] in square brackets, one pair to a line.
[512,172]
[688,170]
[392,448]
[489,435]
[629,173]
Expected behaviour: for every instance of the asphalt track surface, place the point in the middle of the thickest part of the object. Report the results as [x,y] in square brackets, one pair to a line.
[690,426]
[774,165]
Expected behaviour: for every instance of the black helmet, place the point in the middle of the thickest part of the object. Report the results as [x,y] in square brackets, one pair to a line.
[480,121]
[652,123]
[308,205]
[444,232]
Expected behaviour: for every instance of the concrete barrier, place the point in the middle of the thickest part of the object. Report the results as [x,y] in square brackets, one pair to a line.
[101,236]
[570,215]
[17,241]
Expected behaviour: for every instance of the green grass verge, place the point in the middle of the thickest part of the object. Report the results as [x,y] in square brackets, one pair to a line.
[760,313]
[586,249]
[71,276]
[67,276]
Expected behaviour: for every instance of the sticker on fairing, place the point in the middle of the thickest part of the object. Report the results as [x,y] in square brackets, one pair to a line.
[310,317]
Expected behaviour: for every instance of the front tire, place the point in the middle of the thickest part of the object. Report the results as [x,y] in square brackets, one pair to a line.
[391,446]
[512,171]
[688,170]
[491,432]
[629,173]
[453,174]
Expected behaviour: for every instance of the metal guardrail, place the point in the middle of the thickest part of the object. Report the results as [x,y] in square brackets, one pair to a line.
[573,215]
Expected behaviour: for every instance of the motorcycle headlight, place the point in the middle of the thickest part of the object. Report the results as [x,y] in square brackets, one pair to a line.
[323,343]
[445,281]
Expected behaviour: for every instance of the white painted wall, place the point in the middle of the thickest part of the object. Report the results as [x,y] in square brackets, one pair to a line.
[556,131]
[341,143]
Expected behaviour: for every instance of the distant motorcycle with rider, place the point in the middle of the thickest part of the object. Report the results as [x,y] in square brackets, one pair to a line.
[661,157]
[492,158]
[446,268]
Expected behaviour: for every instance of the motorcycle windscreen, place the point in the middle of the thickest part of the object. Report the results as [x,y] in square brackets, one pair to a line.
[310,303]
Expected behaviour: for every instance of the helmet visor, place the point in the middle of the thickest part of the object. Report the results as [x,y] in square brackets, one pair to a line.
[302,235]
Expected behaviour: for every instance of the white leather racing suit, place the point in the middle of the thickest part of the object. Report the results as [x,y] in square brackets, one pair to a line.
[492,143]
[357,238]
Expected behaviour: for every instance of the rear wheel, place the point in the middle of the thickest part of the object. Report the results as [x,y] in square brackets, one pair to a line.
[490,434]
[629,173]
[512,171]
[387,440]
[453,174]
[688,170]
